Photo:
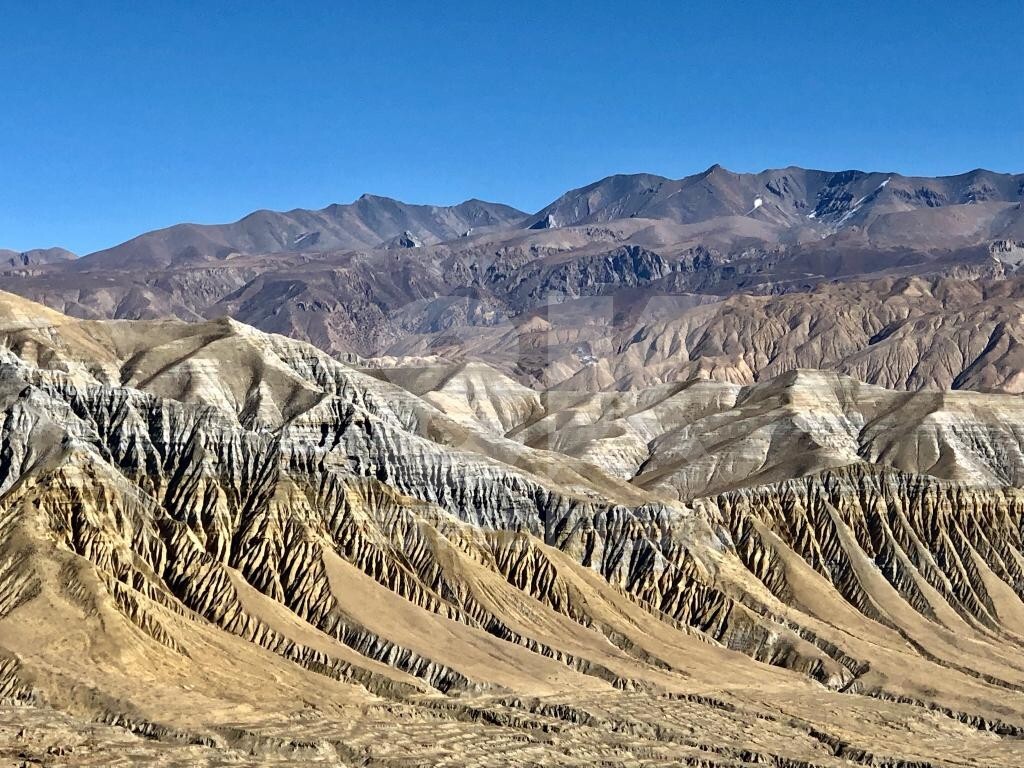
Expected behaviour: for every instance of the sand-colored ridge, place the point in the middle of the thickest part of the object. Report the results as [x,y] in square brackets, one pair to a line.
[218,544]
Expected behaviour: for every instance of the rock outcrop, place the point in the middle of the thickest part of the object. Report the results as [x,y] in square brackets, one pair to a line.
[620,263]
[217,542]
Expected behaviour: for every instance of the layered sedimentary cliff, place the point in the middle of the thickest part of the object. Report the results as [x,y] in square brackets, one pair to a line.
[217,544]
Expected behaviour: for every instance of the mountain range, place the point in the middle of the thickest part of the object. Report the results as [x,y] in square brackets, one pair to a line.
[378,278]
[723,471]
[793,202]
[369,222]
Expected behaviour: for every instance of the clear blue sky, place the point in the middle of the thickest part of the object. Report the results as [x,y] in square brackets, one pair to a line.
[120,117]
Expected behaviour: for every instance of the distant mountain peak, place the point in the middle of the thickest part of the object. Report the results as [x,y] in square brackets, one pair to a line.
[798,197]
[371,221]
[35,256]
[368,197]
[796,205]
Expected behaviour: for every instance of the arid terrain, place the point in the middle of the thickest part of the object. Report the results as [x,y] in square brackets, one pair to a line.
[379,277]
[718,471]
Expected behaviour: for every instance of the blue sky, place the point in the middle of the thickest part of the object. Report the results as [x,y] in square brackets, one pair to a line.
[120,117]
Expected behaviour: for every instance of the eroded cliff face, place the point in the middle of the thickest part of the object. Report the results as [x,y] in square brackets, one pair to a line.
[960,331]
[222,540]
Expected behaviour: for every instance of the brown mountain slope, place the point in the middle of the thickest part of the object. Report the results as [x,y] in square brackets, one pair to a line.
[791,197]
[907,333]
[261,549]
[368,222]
[34,256]
[362,278]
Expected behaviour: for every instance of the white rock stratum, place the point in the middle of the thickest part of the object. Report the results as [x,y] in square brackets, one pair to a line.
[221,545]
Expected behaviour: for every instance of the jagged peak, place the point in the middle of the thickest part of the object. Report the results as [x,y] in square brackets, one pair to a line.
[717,170]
